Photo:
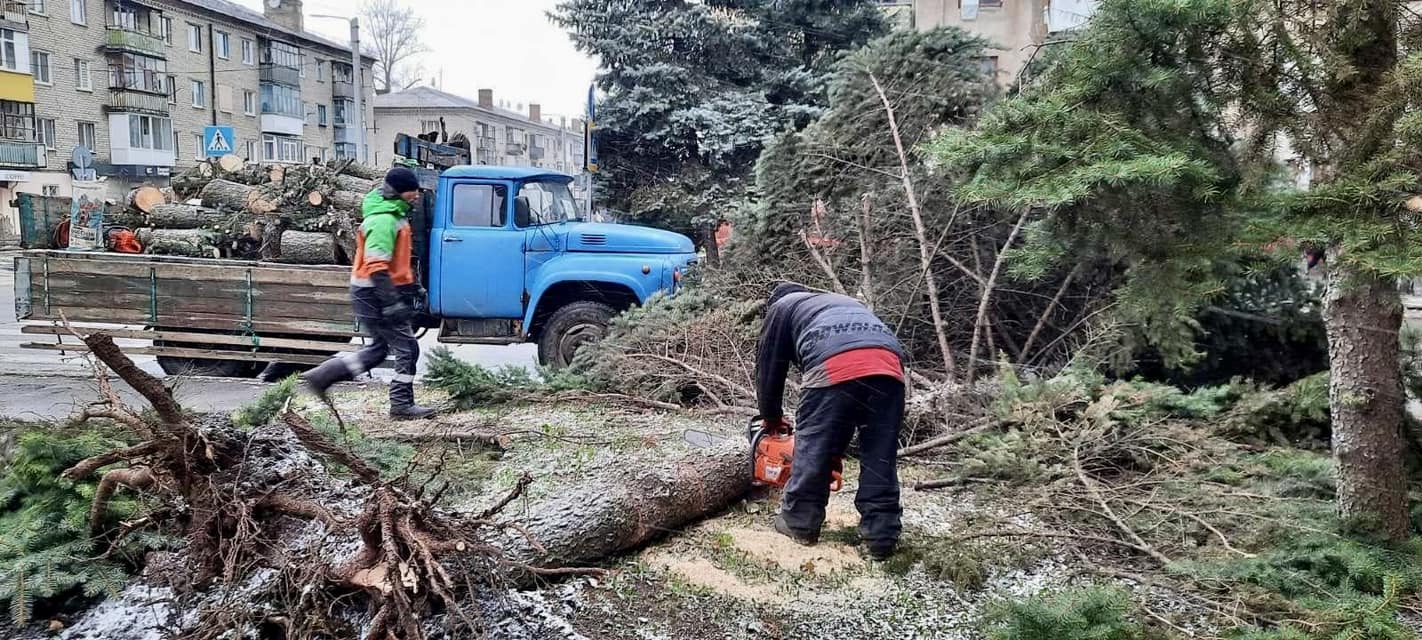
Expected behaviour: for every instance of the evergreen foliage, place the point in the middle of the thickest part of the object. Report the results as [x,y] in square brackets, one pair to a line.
[267,405]
[1157,139]
[1086,614]
[46,551]
[470,385]
[693,89]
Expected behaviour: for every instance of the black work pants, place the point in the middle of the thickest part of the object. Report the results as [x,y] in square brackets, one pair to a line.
[385,338]
[826,421]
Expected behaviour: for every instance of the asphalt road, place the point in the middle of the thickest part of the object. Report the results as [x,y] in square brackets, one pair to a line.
[38,384]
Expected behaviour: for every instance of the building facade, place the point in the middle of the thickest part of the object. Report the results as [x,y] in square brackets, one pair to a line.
[498,134]
[136,82]
[1016,28]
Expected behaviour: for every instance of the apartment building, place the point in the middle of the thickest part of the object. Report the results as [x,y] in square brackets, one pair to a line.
[499,134]
[136,82]
[1016,28]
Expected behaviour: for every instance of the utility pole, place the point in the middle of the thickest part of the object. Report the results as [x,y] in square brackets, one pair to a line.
[358,119]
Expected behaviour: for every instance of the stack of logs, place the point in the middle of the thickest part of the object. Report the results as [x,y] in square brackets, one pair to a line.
[298,214]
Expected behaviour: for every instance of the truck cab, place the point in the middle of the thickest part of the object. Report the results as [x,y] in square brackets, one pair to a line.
[509,260]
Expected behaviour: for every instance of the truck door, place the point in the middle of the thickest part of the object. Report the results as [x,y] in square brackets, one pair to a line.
[481,253]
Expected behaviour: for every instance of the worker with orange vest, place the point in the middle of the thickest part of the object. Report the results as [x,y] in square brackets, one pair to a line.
[383,292]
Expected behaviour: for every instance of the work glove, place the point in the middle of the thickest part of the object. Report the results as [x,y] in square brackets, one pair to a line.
[392,308]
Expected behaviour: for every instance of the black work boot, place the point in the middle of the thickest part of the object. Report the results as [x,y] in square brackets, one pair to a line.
[320,379]
[783,528]
[402,403]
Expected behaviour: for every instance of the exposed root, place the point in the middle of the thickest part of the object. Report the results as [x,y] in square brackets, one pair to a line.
[135,478]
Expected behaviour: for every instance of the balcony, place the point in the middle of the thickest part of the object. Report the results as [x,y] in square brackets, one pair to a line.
[126,101]
[515,148]
[282,124]
[121,39]
[536,153]
[341,134]
[342,89]
[26,155]
[15,13]
[486,143]
[277,74]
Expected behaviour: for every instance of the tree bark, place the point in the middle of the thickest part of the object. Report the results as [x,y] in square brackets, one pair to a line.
[307,247]
[225,194]
[192,243]
[359,170]
[185,216]
[347,202]
[623,510]
[1363,315]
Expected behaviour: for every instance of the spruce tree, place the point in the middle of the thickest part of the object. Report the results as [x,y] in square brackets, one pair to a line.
[692,90]
[1157,137]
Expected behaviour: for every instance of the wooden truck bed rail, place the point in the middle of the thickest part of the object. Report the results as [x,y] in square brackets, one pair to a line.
[228,309]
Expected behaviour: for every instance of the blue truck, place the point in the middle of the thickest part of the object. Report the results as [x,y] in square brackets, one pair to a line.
[502,252]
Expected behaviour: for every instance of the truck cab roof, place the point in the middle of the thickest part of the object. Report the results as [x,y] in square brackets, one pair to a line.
[487,172]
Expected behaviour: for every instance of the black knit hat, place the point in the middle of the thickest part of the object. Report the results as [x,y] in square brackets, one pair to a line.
[402,180]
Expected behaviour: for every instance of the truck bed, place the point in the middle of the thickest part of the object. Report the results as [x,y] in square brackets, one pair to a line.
[253,311]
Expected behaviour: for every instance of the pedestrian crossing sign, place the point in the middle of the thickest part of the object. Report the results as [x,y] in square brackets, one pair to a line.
[218,141]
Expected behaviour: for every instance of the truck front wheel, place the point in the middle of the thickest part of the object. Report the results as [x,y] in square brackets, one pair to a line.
[569,329]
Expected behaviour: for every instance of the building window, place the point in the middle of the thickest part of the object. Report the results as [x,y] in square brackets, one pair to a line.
[282,100]
[320,71]
[9,52]
[45,133]
[249,103]
[82,80]
[321,115]
[197,146]
[141,73]
[50,191]
[150,132]
[988,65]
[79,12]
[281,149]
[345,151]
[222,42]
[43,73]
[251,150]
[301,68]
[167,30]
[344,109]
[249,51]
[37,7]
[199,90]
[88,138]
[172,89]
[194,38]
[427,126]
[17,120]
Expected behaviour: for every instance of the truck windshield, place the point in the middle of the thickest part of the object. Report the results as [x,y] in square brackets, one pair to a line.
[541,203]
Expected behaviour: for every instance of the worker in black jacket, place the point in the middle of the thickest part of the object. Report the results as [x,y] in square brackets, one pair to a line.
[851,377]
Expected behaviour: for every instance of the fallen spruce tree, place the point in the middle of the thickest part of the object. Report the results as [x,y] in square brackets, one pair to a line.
[275,546]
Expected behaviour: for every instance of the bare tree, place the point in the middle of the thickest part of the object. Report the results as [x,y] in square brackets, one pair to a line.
[396,33]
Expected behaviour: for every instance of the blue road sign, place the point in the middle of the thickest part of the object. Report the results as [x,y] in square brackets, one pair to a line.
[218,141]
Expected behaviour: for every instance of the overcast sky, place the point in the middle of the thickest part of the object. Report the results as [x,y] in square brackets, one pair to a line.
[505,45]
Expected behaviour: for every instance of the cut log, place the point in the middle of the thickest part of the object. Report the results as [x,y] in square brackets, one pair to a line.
[145,198]
[271,238]
[192,243]
[231,163]
[358,170]
[623,509]
[276,173]
[315,198]
[183,216]
[307,247]
[353,183]
[204,169]
[225,194]
[347,202]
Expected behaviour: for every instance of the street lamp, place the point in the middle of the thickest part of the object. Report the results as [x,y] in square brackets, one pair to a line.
[355,85]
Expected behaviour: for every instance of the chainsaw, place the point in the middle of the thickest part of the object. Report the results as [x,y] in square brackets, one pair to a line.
[772,452]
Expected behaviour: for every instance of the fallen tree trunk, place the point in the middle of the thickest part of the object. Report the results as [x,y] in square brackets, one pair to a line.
[186,216]
[358,170]
[191,243]
[225,194]
[307,247]
[618,511]
[347,202]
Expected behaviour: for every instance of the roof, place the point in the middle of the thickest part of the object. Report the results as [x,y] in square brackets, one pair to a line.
[490,172]
[239,12]
[434,99]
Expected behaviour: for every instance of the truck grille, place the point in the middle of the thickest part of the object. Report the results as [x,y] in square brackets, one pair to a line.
[594,239]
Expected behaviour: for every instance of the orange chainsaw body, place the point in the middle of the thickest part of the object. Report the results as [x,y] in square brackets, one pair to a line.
[773,451]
